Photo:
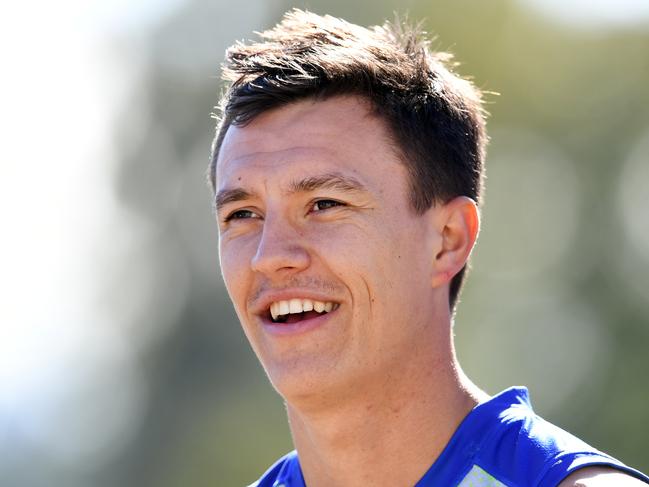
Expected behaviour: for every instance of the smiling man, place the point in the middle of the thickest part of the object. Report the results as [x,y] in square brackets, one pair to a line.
[347,170]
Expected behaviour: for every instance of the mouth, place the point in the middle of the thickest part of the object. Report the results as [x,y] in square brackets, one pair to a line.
[297,309]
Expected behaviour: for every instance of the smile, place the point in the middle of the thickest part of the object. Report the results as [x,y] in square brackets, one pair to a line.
[297,309]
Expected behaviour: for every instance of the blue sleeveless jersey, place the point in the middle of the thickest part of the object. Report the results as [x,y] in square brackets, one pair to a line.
[501,443]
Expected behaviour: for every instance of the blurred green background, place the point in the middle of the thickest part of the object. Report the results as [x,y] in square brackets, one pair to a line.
[122,361]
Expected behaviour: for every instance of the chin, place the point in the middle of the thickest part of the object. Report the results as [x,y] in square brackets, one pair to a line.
[308,384]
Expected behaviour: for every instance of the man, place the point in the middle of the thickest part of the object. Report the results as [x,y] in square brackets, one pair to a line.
[347,170]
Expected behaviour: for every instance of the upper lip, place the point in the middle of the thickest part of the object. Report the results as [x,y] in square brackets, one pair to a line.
[261,306]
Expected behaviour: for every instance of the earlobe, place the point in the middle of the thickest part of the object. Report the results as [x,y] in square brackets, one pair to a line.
[458,224]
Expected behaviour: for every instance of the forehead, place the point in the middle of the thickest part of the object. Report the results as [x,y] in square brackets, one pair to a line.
[340,132]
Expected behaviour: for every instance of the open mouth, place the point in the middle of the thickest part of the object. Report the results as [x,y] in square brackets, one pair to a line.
[295,310]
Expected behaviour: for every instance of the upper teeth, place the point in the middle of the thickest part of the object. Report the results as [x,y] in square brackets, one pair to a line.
[297,305]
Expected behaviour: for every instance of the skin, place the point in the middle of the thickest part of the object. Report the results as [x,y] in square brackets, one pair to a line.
[312,202]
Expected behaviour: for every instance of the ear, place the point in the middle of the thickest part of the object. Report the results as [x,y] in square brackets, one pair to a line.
[457,223]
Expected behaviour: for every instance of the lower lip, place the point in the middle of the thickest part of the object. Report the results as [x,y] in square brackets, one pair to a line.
[297,328]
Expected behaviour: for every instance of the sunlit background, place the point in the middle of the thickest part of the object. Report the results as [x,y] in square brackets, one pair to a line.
[121,362]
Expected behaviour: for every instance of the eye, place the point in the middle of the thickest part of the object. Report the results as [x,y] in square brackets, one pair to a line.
[241,215]
[321,205]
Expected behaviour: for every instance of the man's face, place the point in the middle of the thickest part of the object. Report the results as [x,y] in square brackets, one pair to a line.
[314,212]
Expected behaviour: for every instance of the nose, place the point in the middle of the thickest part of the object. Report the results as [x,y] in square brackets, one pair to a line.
[280,250]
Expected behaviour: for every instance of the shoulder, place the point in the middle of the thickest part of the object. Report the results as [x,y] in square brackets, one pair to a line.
[545,455]
[536,444]
[560,458]
[600,477]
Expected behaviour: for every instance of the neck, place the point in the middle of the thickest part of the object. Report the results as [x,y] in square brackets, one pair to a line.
[391,431]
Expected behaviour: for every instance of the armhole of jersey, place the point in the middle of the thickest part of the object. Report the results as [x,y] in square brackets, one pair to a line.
[569,464]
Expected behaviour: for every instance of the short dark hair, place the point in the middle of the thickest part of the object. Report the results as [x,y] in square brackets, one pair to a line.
[435,117]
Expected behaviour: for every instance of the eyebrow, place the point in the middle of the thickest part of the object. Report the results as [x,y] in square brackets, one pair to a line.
[233,195]
[332,180]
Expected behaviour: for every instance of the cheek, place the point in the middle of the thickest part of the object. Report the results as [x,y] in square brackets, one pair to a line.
[233,268]
[397,261]
[363,261]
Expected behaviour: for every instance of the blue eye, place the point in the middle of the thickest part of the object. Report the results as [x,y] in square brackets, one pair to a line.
[321,205]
